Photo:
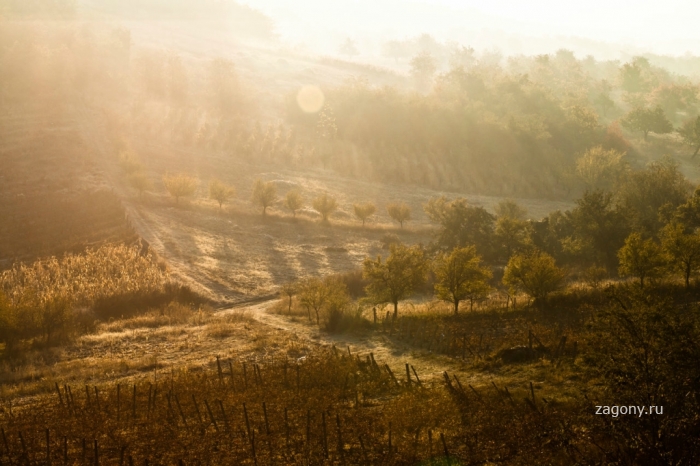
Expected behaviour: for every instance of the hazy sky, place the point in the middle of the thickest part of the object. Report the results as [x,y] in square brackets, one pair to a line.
[531,26]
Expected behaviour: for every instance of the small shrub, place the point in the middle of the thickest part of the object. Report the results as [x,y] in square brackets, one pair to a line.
[129,163]
[388,239]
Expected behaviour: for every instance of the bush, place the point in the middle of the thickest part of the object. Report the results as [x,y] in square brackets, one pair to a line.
[354,282]
[129,163]
[324,296]
[389,239]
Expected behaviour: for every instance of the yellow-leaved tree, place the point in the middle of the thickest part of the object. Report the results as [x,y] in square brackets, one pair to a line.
[460,276]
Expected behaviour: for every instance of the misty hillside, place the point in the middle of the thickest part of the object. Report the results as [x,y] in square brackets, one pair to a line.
[349,233]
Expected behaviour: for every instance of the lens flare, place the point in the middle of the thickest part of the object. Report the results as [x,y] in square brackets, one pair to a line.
[310,99]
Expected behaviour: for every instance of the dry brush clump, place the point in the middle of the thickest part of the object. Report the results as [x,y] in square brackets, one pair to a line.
[66,295]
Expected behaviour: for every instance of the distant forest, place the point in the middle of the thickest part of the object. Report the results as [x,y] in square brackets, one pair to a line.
[517,129]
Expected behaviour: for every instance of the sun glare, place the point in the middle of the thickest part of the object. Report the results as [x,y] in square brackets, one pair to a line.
[310,99]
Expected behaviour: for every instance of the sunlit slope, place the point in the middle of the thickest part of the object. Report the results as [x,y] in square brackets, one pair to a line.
[53,198]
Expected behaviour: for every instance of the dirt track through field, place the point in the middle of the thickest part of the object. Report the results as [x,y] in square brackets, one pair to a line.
[163,228]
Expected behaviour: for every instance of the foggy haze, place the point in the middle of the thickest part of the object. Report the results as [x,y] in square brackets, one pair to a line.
[603,28]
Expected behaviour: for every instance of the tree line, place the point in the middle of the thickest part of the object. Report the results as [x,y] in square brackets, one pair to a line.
[264,194]
[644,228]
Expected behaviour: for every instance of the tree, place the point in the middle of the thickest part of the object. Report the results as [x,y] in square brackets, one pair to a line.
[641,258]
[644,351]
[636,77]
[364,211]
[682,249]
[396,278]
[599,168]
[688,213]
[423,67]
[264,194]
[325,205]
[220,192]
[599,228]
[594,276]
[348,48]
[647,121]
[461,224]
[400,212]
[177,80]
[129,162]
[293,201]
[326,132]
[313,294]
[535,273]
[224,86]
[396,49]
[140,182]
[320,295]
[459,276]
[605,103]
[512,234]
[508,208]
[690,131]
[180,185]
[660,186]
[462,57]
[289,290]
[676,99]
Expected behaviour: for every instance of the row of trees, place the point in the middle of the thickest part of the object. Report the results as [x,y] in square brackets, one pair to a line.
[646,227]
[264,194]
[458,276]
[461,274]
